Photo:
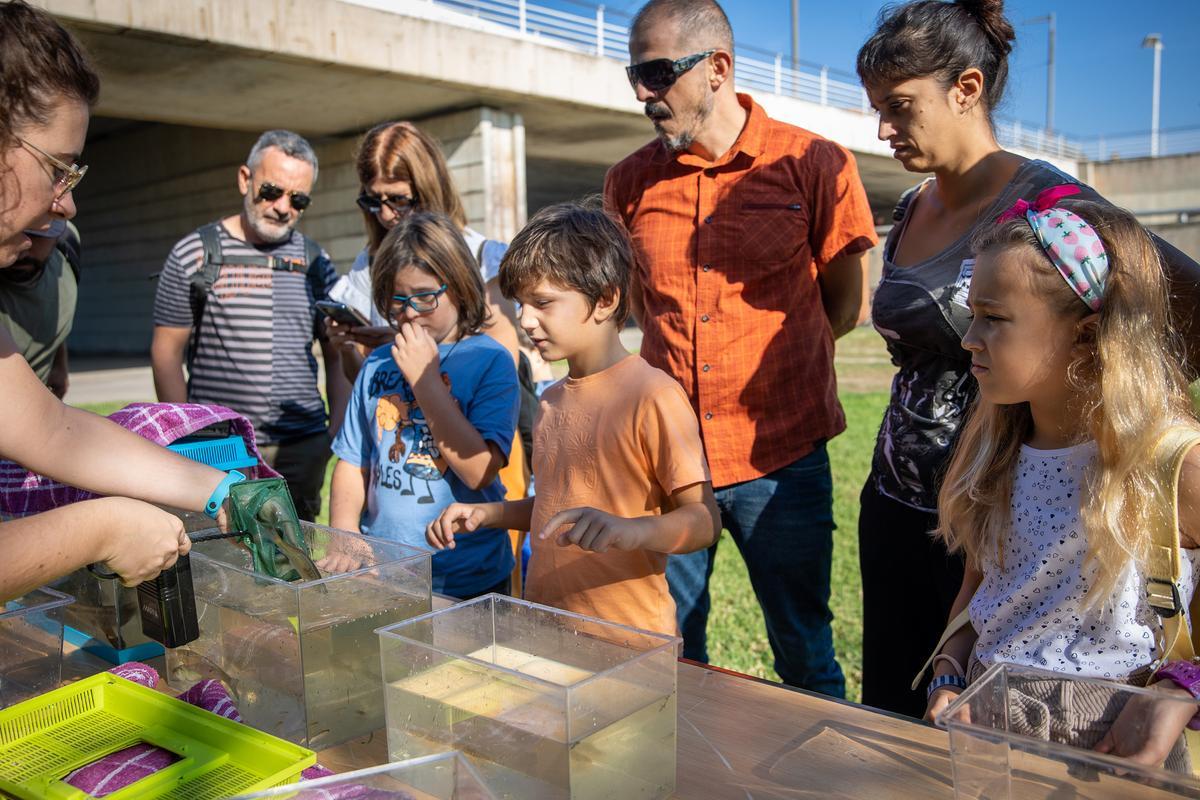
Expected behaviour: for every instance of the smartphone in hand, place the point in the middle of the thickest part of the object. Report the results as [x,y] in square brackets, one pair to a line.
[343,314]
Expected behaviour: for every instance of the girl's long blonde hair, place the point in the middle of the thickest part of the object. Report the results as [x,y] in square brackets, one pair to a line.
[1131,389]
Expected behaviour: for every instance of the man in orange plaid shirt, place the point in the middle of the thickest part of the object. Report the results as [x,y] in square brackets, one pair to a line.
[750,237]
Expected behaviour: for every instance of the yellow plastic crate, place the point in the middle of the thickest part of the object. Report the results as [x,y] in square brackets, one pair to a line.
[45,738]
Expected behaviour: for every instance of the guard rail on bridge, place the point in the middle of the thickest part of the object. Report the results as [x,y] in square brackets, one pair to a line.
[606,33]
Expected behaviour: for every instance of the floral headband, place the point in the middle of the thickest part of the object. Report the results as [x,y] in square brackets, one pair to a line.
[1072,245]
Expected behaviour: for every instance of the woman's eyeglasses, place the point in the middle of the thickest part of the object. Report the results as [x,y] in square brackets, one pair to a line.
[400,204]
[661,73]
[269,192]
[421,302]
[66,176]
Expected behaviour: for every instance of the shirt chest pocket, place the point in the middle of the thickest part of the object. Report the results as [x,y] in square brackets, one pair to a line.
[769,229]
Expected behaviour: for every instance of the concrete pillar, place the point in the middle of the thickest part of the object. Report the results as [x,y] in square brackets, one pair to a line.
[485,150]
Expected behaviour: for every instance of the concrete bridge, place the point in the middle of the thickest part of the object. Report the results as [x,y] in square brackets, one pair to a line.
[530,104]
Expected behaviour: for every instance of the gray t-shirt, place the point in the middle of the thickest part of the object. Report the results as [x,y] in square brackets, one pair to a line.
[921,312]
[254,349]
[39,311]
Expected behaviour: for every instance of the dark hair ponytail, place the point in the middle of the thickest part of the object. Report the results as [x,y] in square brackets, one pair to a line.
[40,62]
[932,38]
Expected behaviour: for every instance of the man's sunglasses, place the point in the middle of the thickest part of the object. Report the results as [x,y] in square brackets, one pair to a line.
[661,73]
[65,176]
[269,192]
[422,303]
[400,204]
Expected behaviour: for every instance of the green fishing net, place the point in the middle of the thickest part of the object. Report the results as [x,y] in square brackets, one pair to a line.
[263,511]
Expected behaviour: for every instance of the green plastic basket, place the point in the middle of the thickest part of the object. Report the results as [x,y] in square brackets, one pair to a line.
[45,738]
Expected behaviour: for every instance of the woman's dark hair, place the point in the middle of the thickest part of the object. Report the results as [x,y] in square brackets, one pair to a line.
[932,38]
[431,242]
[40,63]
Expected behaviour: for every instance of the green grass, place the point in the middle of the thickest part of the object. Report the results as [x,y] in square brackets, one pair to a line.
[737,639]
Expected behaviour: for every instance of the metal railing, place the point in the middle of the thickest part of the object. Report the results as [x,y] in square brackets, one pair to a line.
[1177,141]
[605,33]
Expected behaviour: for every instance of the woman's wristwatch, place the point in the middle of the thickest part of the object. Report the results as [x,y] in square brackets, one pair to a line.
[945,680]
[1185,675]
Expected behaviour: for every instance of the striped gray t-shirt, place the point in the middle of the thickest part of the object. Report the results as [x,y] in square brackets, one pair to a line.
[254,351]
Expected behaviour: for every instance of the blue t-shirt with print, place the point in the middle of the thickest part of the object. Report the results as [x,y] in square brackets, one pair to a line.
[410,483]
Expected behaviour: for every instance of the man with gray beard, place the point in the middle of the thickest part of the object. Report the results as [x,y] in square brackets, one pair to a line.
[750,237]
[239,295]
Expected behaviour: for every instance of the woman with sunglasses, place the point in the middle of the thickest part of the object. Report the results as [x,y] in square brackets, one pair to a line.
[400,169]
[47,88]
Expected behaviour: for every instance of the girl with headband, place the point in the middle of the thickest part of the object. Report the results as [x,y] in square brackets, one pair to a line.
[1055,474]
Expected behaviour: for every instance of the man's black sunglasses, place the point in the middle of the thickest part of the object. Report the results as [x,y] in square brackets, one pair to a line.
[270,193]
[661,73]
[400,204]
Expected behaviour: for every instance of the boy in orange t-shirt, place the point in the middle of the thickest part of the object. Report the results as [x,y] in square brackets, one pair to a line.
[620,469]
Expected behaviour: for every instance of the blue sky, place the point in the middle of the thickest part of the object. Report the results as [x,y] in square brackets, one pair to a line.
[1104,77]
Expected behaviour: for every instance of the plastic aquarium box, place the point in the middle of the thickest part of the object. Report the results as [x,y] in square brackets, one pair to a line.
[104,618]
[448,776]
[31,644]
[45,738]
[544,703]
[1009,739]
[301,660]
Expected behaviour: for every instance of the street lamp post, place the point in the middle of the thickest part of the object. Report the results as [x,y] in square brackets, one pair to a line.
[1155,41]
[796,35]
[1050,20]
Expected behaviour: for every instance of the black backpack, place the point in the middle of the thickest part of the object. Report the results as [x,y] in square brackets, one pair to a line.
[202,280]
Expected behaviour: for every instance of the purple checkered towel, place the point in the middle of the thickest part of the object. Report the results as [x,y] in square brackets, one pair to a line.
[23,492]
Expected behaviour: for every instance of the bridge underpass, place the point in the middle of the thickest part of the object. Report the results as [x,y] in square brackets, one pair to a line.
[187,88]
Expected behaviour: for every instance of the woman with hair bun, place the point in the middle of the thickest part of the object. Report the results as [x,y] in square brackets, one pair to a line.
[935,72]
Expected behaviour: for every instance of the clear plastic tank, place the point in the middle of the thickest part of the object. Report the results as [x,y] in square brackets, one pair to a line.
[31,645]
[1024,734]
[544,703]
[301,660]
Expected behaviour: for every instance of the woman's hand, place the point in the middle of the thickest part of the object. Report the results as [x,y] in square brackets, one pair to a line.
[368,337]
[143,539]
[1147,727]
[373,336]
[339,335]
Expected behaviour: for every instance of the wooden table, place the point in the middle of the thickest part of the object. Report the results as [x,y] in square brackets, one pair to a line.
[744,738]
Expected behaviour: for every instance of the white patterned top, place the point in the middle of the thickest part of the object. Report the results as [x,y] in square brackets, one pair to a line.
[1031,612]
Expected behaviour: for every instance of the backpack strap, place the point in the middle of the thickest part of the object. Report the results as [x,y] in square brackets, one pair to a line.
[212,259]
[312,256]
[202,280]
[1163,569]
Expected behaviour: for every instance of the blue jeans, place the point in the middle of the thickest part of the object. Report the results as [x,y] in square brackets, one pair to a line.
[783,526]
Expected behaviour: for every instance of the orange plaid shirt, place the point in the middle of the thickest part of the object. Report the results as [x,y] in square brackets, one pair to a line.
[727,270]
